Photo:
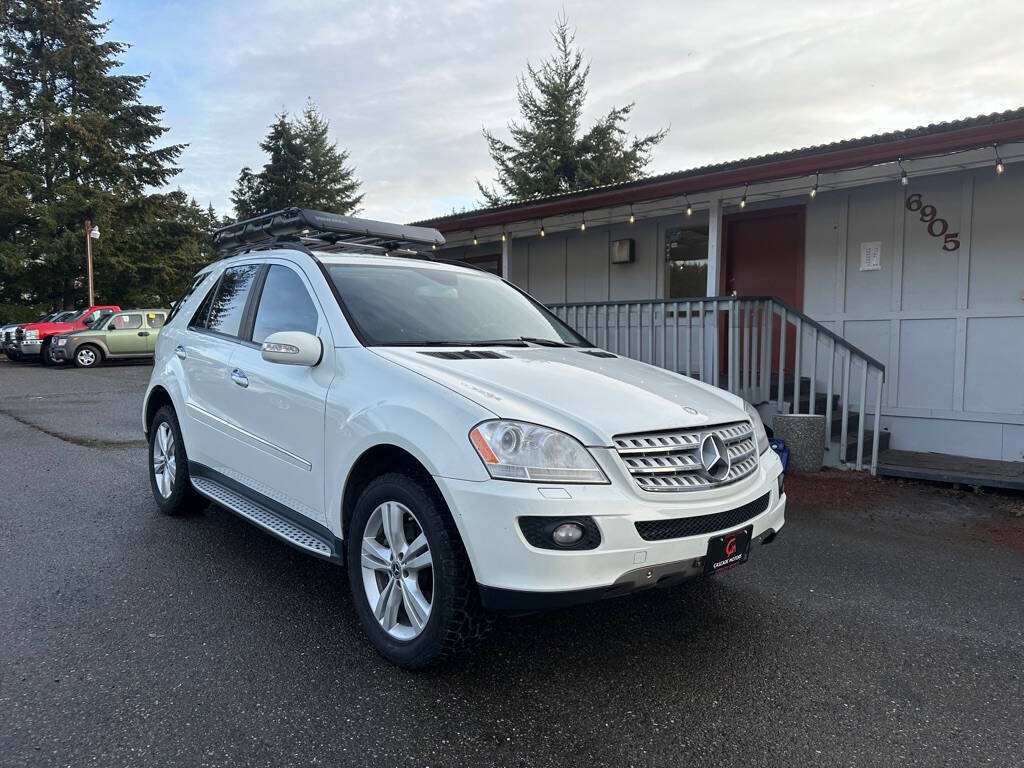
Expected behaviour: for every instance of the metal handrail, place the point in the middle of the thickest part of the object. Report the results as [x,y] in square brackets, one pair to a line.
[748,325]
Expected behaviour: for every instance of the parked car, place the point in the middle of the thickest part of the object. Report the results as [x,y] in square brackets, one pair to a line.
[33,339]
[8,342]
[441,434]
[125,334]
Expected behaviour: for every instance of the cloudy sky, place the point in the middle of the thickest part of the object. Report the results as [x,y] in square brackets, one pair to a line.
[408,85]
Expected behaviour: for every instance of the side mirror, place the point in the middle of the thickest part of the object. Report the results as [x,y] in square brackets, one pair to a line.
[292,348]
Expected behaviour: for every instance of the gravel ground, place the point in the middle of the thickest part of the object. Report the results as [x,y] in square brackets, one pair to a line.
[884,627]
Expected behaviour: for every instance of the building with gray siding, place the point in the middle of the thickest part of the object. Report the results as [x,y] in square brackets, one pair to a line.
[909,251]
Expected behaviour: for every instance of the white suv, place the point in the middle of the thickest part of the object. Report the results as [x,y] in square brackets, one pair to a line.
[441,434]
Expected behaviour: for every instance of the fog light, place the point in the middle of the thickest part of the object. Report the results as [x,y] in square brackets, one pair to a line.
[782,485]
[567,534]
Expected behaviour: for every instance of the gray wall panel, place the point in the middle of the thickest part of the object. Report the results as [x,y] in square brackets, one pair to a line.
[927,363]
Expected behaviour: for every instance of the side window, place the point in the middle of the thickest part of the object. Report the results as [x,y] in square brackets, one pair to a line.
[126,322]
[228,305]
[285,305]
[196,282]
[155,319]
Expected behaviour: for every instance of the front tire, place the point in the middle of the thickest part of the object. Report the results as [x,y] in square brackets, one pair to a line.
[45,357]
[168,467]
[411,580]
[88,356]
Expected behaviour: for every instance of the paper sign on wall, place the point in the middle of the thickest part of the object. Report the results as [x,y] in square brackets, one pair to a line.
[871,256]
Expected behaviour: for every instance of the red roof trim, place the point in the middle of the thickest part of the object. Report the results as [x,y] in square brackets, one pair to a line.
[830,158]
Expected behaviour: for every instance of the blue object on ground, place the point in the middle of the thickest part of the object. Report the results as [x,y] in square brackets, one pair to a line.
[779,446]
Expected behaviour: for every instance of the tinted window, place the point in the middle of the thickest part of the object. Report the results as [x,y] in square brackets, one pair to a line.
[228,305]
[123,322]
[155,319]
[424,305]
[285,305]
[196,282]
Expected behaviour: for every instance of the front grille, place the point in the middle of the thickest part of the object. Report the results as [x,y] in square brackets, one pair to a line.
[681,527]
[670,461]
[19,334]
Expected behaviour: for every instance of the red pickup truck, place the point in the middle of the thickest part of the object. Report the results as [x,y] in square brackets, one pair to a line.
[34,338]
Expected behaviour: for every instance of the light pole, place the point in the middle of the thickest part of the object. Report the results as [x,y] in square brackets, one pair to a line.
[91,233]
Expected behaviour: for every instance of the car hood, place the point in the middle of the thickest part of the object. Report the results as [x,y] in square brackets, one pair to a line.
[50,328]
[592,398]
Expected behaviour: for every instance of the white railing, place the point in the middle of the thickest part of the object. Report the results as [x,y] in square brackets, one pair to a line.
[732,342]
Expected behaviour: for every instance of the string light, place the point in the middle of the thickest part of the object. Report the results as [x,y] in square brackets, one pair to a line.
[814,189]
[904,179]
[433,247]
[583,224]
[631,219]
[743,200]
[689,208]
[542,227]
[503,237]
[475,241]
[999,161]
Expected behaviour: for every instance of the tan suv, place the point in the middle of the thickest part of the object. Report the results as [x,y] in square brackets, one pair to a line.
[126,334]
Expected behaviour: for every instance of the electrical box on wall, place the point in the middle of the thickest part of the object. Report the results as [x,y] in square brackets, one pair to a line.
[623,251]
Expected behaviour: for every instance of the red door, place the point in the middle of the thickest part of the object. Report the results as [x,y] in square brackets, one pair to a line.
[763,253]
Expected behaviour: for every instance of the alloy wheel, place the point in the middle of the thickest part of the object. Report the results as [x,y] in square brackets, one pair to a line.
[164,464]
[397,570]
[86,357]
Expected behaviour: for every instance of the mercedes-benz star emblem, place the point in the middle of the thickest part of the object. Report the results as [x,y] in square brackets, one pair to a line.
[714,457]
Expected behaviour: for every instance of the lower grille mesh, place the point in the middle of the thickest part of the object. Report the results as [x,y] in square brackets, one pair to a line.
[680,527]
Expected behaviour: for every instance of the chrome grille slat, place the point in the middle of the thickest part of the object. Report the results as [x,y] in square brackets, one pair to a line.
[670,461]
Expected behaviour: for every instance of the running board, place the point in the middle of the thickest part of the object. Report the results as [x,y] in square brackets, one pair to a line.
[265,518]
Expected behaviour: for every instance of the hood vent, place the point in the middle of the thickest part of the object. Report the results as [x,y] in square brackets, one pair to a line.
[598,353]
[467,354]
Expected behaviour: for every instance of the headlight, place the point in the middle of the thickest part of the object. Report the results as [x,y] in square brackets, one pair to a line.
[759,434]
[515,450]
[61,342]
[31,334]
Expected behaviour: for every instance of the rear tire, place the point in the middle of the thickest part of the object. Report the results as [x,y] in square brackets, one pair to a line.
[454,619]
[88,356]
[168,467]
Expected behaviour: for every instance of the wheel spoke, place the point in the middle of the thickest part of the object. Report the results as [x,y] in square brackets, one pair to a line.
[374,555]
[418,554]
[382,601]
[390,618]
[416,606]
[391,518]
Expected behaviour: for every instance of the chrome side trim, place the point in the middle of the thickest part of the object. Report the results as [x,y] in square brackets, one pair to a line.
[288,455]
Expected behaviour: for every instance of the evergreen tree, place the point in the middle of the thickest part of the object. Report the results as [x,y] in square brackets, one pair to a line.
[304,168]
[77,143]
[547,154]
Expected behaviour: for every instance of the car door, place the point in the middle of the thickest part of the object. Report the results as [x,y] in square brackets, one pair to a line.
[280,409]
[154,322]
[204,352]
[123,334]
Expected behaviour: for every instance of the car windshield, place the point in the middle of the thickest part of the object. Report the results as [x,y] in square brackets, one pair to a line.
[61,317]
[408,305]
[102,322]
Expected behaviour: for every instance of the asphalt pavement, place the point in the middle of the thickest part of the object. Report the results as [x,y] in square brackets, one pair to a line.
[884,627]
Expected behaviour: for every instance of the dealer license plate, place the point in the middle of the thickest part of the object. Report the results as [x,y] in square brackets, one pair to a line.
[728,550]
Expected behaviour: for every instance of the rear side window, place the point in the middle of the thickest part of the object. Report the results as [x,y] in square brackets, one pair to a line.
[155,319]
[196,282]
[285,305]
[223,312]
[125,322]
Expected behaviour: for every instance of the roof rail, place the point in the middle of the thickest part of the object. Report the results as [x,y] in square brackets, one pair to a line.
[331,231]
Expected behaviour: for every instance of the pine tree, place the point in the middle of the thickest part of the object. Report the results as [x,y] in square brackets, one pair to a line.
[328,183]
[304,168]
[547,154]
[77,141]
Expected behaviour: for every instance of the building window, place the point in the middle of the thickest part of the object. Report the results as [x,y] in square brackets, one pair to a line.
[686,263]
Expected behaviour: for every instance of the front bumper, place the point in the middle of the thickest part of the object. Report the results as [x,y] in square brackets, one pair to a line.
[30,347]
[515,576]
[58,353]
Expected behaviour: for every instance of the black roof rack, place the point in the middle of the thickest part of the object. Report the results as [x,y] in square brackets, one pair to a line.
[323,231]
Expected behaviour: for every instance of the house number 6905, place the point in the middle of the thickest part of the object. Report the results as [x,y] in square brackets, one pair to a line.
[936,227]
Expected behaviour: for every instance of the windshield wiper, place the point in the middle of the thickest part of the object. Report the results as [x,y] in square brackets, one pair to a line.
[543,342]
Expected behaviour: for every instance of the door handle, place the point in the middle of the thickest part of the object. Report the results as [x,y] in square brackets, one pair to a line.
[180,352]
[143,333]
[239,378]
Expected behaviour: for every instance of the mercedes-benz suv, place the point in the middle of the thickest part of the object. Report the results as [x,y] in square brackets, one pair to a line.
[440,434]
